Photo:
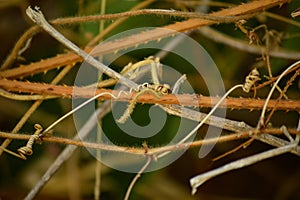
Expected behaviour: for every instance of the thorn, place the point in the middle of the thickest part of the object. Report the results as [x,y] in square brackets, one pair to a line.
[145,146]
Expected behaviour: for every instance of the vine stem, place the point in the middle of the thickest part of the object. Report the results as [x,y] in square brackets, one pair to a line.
[67,152]
[242,45]
[200,179]
[189,135]
[33,108]
[137,176]
[262,116]
[79,107]
[184,99]
[130,41]
[153,151]
[37,16]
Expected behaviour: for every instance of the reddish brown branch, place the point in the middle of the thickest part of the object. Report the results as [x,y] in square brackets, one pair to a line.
[131,41]
[141,150]
[184,99]
[273,79]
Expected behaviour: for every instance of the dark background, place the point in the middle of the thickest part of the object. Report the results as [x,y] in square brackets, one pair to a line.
[275,178]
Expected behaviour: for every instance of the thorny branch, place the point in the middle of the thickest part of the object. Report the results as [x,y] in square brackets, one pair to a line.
[38,17]
[228,13]
[35,16]
[45,91]
[126,42]
[157,150]
[33,107]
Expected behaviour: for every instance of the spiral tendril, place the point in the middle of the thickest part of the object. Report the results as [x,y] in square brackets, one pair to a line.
[27,150]
[251,79]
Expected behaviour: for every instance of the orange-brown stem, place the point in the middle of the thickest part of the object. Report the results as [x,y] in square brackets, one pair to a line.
[134,40]
[183,99]
[141,150]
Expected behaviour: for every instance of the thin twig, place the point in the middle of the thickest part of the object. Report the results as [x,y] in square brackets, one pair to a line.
[117,23]
[266,53]
[228,124]
[282,18]
[243,145]
[97,185]
[23,97]
[282,93]
[262,117]
[157,12]
[19,45]
[137,176]
[192,132]
[200,179]
[33,108]
[157,150]
[77,108]
[178,83]
[67,152]
[38,17]
[295,13]
[141,38]
[245,46]
[272,80]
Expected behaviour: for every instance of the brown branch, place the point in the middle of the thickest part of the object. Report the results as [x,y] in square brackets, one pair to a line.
[242,45]
[282,93]
[184,99]
[15,52]
[131,41]
[33,107]
[273,79]
[151,151]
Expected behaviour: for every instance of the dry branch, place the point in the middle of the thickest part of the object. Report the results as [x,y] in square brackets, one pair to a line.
[184,99]
[243,45]
[134,40]
[151,151]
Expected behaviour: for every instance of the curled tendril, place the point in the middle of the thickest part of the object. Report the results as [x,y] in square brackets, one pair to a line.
[251,79]
[157,90]
[27,150]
